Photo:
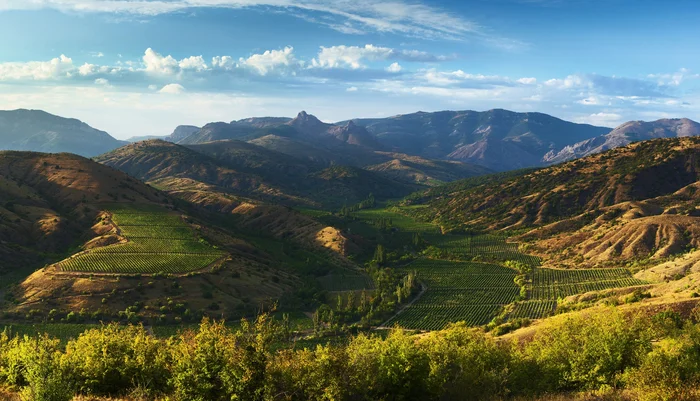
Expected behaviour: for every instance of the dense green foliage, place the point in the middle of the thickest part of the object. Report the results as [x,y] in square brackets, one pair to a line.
[597,350]
[157,242]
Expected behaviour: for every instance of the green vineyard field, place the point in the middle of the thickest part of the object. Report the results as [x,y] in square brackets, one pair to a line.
[487,247]
[473,285]
[552,284]
[457,291]
[532,309]
[398,221]
[158,241]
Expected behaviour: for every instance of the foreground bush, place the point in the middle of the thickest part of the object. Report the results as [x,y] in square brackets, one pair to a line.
[600,350]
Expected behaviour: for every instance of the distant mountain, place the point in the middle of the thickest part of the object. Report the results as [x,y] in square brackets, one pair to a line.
[498,139]
[218,131]
[262,122]
[146,138]
[633,131]
[181,132]
[36,130]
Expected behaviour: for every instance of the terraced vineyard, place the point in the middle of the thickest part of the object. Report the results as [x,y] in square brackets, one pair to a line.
[486,247]
[532,309]
[157,241]
[458,291]
[473,286]
[551,284]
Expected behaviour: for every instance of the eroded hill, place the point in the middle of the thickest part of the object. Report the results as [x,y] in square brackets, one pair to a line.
[633,204]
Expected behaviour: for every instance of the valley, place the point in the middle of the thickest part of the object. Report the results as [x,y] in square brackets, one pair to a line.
[332,237]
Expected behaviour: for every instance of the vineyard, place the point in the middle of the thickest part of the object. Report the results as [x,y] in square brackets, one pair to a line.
[467,281]
[532,309]
[551,284]
[157,242]
[486,247]
[458,291]
[396,220]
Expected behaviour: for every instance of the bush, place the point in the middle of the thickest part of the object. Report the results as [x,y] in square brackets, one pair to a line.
[590,351]
[114,360]
[34,364]
[672,370]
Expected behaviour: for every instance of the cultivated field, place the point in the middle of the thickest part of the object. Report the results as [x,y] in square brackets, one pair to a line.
[458,291]
[474,285]
[158,241]
[551,284]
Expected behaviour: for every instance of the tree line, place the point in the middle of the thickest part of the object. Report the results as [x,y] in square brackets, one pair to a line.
[653,358]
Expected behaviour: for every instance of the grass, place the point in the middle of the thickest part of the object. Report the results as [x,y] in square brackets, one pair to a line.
[157,241]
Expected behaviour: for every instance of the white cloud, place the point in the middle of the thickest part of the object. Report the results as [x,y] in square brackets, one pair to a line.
[152,87]
[527,81]
[102,81]
[394,67]
[270,60]
[353,56]
[97,54]
[602,119]
[37,70]
[172,89]
[398,16]
[444,78]
[92,69]
[193,63]
[351,89]
[674,79]
[157,64]
[223,62]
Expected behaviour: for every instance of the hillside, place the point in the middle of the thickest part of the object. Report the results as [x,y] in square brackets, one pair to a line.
[628,204]
[76,235]
[48,201]
[35,130]
[633,131]
[247,170]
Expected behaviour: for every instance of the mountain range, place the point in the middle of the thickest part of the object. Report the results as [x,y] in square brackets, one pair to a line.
[498,140]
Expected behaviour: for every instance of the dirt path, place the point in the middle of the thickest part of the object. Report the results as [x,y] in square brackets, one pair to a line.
[384,326]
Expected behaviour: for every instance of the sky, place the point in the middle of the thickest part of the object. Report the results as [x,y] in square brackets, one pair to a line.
[142,67]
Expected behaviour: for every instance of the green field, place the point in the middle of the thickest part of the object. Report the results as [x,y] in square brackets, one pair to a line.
[157,241]
[474,286]
[397,220]
[552,284]
[458,291]
[533,309]
[486,247]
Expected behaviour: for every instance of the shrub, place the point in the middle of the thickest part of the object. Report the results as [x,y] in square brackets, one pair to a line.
[114,360]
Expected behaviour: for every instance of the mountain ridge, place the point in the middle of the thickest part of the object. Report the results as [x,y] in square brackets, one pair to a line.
[40,131]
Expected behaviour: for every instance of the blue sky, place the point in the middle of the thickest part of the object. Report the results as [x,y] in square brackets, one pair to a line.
[138,67]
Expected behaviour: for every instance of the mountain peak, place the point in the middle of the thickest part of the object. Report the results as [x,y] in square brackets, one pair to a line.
[303,116]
